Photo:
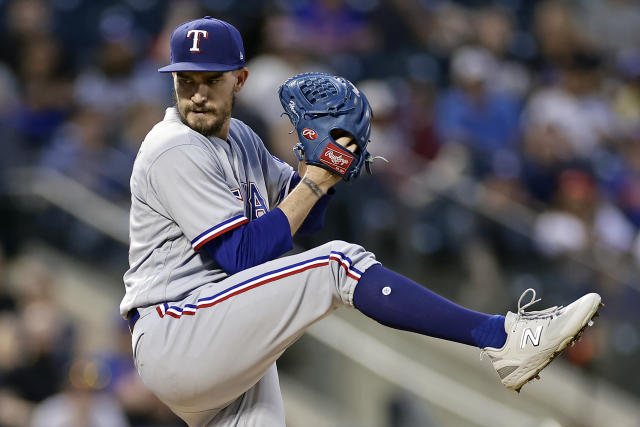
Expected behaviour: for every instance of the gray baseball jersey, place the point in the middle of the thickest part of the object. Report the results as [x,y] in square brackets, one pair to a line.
[206,342]
[186,190]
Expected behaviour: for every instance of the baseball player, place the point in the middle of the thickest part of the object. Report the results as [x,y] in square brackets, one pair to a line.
[210,301]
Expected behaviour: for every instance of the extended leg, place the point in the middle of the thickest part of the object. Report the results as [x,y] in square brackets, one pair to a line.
[397,301]
[519,345]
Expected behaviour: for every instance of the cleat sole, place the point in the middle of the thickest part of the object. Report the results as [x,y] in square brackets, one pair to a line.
[563,345]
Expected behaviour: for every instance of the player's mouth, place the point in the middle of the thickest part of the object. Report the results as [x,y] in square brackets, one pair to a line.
[201,112]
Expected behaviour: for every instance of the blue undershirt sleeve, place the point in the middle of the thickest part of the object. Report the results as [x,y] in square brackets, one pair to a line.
[259,241]
[265,238]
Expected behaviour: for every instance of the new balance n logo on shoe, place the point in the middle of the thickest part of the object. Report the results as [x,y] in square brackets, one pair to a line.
[536,337]
[528,334]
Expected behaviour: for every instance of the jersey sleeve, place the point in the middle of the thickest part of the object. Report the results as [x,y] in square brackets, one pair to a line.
[247,246]
[189,187]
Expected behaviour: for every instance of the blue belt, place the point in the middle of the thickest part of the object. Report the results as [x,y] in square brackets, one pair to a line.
[132,318]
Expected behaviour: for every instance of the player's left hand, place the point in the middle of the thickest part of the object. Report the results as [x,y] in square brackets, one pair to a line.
[322,109]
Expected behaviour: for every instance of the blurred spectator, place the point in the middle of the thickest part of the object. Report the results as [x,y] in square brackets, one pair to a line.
[48,335]
[624,181]
[556,32]
[118,81]
[612,25]
[471,113]
[81,403]
[626,101]
[24,21]
[82,151]
[419,118]
[545,152]
[581,219]
[494,31]
[45,83]
[40,341]
[332,27]
[389,138]
[575,107]
[624,184]
[448,26]
[14,409]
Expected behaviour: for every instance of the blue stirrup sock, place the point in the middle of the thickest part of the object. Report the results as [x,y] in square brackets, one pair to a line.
[398,302]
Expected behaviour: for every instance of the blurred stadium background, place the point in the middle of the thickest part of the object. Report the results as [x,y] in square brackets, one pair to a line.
[513,132]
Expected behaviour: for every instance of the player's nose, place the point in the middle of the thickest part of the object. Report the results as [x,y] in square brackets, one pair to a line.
[200,95]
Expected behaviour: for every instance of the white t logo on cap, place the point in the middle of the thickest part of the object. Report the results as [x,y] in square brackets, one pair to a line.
[196,39]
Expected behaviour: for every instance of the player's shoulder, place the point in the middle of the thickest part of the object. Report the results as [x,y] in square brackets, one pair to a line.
[243,132]
[168,134]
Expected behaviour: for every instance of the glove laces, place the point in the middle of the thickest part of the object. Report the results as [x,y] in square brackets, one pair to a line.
[369,160]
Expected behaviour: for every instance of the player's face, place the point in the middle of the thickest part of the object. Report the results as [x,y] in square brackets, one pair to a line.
[205,99]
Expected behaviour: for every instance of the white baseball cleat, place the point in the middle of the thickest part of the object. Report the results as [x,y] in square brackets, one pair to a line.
[535,338]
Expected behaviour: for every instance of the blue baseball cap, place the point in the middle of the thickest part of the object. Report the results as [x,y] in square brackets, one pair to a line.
[205,44]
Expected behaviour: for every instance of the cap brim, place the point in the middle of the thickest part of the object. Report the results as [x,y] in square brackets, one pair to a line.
[198,66]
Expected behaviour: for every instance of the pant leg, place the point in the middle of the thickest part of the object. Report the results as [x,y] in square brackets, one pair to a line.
[259,406]
[202,353]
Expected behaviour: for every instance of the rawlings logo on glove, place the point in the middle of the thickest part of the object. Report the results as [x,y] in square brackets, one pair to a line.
[319,106]
[309,133]
[336,159]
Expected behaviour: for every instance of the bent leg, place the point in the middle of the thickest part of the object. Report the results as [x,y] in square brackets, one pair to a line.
[261,405]
[205,351]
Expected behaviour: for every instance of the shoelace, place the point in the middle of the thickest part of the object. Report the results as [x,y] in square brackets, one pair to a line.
[533,314]
[528,315]
[530,303]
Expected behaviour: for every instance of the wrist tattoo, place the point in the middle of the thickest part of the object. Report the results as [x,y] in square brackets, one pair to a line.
[313,187]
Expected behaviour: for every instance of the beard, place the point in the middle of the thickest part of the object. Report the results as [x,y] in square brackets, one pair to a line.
[203,125]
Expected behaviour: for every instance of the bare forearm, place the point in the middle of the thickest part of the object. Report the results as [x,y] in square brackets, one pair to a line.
[297,205]
[314,184]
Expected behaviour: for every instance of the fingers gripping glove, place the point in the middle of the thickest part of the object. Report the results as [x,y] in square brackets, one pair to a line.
[320,105]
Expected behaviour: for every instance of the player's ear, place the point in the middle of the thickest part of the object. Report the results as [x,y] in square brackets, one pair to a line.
[241,75]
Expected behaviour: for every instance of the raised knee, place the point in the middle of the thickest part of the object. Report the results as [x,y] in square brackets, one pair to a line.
[342,246]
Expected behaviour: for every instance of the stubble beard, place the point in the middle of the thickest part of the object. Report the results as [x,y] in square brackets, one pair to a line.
[201,127]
